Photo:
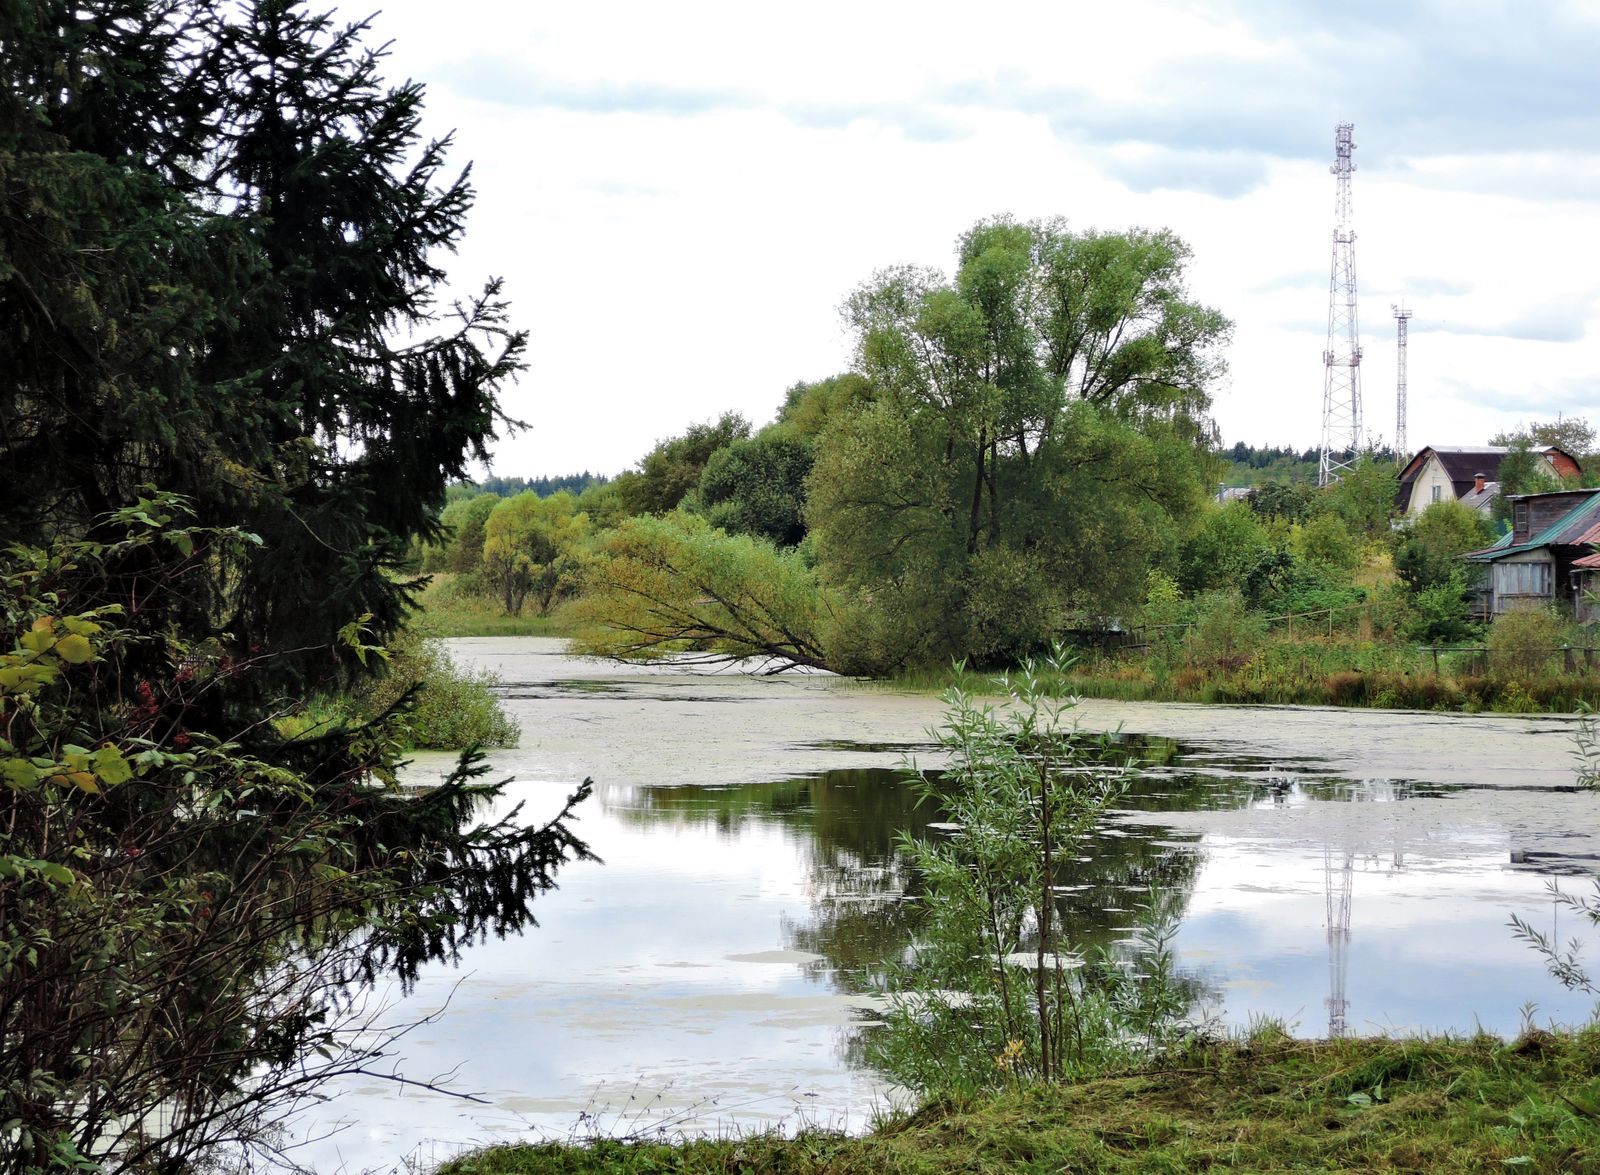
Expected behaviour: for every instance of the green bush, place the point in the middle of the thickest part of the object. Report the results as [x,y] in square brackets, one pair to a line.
[1326,540]
[1524,644]
[996,993]
[1226,631]
[1439,612]
[451,708]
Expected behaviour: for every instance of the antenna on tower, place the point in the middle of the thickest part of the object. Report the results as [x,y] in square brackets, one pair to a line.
[1402,316]
[1341,381]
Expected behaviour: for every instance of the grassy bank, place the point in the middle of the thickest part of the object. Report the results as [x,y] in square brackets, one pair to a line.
[1274,1105]
[1314,673]
[448,611]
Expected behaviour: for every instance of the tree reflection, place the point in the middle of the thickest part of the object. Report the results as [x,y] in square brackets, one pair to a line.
[848,824]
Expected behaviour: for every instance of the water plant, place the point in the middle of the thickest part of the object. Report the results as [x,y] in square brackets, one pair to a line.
[993,991]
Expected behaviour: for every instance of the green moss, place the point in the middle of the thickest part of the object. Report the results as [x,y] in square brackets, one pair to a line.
[1374,1105]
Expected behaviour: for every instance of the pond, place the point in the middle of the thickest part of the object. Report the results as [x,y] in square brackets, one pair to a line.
[1339,870]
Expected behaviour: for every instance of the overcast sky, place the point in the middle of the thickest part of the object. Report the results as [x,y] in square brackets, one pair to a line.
[680,195]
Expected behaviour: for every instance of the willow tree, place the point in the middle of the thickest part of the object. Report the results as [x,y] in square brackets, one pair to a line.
[1039,432]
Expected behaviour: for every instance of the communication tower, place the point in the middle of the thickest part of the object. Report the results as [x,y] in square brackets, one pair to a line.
[1341,382]
[1401,317]
[1338,927]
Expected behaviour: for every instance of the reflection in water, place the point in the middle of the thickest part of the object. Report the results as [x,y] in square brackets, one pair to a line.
[720,960]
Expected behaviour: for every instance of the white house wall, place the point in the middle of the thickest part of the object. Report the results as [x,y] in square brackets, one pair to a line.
[1432,475]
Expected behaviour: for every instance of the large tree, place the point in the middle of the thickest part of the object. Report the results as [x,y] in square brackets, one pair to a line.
[218,268]
[220,237]
[1038,432]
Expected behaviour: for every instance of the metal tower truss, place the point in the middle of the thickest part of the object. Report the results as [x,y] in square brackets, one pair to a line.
[1338,886]
[1342,433]
[1402,317]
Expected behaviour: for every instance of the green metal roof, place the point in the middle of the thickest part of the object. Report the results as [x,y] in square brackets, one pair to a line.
[1571,529]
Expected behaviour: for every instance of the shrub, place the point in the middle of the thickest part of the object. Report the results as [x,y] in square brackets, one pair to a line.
[1439,612]
[995,992]
[1523,644]
[1326,540]
[1225,630]
[451,708]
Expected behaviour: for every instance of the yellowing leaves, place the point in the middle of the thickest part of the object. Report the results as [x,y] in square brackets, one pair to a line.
[74,649]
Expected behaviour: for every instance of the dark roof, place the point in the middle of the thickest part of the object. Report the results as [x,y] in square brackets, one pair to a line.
[1462,465]
[1578,527]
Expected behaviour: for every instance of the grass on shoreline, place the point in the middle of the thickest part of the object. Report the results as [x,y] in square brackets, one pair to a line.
[1386,1105]
[1297,683]
[447,611]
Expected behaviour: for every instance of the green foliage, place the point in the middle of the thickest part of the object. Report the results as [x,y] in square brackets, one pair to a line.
[1266,1103]
[1325,542]
[677,585]
[1439,612]
[259,331]
[995,994]
[1525,643]
[1365,496]
[808,408]
[1427,552]
[1269,465]
[444,707]
[1571,434]
[1523,470]
[672,469]
[1586,748]
[186,911]
[454,605]
[1038,427]
[533,545]
[459,547]
[1286,501]
[1226,630]
[1229,549]
[758,487]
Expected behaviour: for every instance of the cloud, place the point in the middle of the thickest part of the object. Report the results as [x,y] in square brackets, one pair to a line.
[623,188]
[1224,174]
[920,122]
[1553,322]
[1441,287]
[509,83]
[1543,400]
[1464,79]
[1299,279]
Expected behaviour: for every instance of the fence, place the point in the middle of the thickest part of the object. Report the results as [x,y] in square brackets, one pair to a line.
[1474,660]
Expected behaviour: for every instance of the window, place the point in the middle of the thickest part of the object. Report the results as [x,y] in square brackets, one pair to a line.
[1519,521]
[1436,491]
[1522,579]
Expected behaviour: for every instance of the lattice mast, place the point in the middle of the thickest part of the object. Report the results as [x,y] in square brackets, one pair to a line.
[1339,893]
[1402,316]
[1341,382]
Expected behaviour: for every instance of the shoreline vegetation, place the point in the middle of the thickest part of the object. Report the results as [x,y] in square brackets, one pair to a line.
[1265,1103]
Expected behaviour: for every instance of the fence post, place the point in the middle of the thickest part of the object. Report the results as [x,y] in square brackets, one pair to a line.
[1567,663]
[1435,652]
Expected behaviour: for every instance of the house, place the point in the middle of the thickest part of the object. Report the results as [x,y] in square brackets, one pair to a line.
[1548,556]
[1447,472]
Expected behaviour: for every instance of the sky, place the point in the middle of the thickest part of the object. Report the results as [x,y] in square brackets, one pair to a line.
[679,196]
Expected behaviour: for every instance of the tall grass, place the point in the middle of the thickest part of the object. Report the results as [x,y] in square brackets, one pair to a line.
[451,607]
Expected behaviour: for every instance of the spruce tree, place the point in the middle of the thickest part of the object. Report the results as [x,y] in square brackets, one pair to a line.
[221,249]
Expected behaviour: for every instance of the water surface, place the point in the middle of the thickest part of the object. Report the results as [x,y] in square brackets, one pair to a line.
[1338,870]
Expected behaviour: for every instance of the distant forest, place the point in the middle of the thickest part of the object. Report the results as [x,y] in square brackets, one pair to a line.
[510,487]
[1249,465]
